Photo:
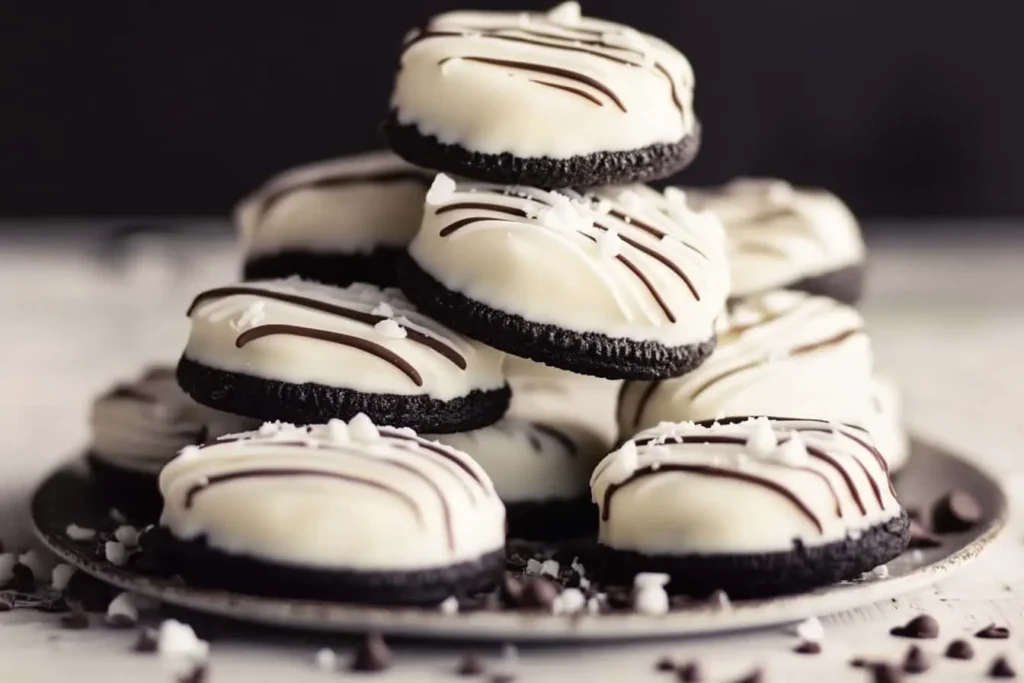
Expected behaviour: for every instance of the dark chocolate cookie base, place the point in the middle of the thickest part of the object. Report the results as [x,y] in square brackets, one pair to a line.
[845,285]
[206,567]
[587,353]
[375,268]
[551,520]
[134,493]
[600,168]
[767,574]
[308,403]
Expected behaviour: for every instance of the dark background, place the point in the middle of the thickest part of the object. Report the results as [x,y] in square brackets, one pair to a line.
[904,107]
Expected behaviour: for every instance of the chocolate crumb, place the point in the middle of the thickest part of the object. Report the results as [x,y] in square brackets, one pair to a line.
[960,649]
[885,673]
[147,641]
[921,538]
[689,673]
[23,580]
[808,647]
[372,654]
[665,664]
[470,665]
[923,626]
[858,662]
[755,676]
[196,675]
[993,632]
[916,661]
[76,620]
[954,512]
[539,593]
[1001,669]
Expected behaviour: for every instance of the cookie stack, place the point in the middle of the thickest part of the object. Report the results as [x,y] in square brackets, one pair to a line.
[432,348]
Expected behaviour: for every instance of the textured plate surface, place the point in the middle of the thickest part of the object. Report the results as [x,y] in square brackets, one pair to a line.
[68,497]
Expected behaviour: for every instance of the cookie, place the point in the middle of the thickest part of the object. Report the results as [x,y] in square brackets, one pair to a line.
[754,507]
[306,353]
[342,511]
[548,100]
[541,471]
[620,283]
[138,427]
[337,222]
[780,237]
[885,422]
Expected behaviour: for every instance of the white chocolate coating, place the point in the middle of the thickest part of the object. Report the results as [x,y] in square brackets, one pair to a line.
[765,485]
[780,354]
[542,85]
[778,234]
[141,425]
[885,422]
[611,261]
[366,325]
[351,205]
[283,494]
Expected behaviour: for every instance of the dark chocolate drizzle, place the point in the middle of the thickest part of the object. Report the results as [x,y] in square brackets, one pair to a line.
[645,398]
[463,222]
[661,258]
[643,278]
[569,89]
[271,195]
[366,345]
[558,435]
[436,449]
[368,318]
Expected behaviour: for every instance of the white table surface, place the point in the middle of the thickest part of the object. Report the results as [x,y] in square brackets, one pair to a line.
[948,324]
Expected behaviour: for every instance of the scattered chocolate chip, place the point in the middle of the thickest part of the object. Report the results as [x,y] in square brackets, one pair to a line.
[665,664]
[511,590]
[502,678]
[858,662]
[75,620]
[955,511]
[93,594]
[808,647]
[916,661]
[1001,669]
[146,641]
[539,593]
[196,675]
[923,626]
[921,538]
[993,632]
[372,654]
[470,665]
[23,580]
[885,673]
[755,676]
[689,673]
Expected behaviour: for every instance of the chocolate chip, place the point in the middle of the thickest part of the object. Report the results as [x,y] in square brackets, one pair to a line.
[808,647]
[755,676]
[960,649]
[689,673]
[23,580]
[470,665]
[921,538]
[923,626]
[858,662]
[502,678]
[372,654]
[665,664]
[993,632]
[885,673]
[539,593]
[146,641]
[196,675]
[75,620]
[915,661]
[956,511]
[1001,669]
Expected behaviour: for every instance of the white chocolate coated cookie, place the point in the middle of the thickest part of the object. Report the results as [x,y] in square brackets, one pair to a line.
[885,421]
[780,354]
[352,205]
[359,338]
[611,261]
[542,85]
[779,234]
[754,486]
[336,496]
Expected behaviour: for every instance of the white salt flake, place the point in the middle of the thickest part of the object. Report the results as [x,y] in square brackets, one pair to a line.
[811,630]
[384,309]
[793,451]
[126,535]
[269,428]
[337,431]
[577,566]
[391,329]
[362,429]
[533,567]
[176,639]
[122,608]
[188,452]
[115,553]
[567,14]
[80,533]
[61,576]
[880,572]
[570,601]
[449,606]
[7,562]
[549,568]
[252,316]
[627,459]
[609,245]
[761,440]
[441,190]
[326,660]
